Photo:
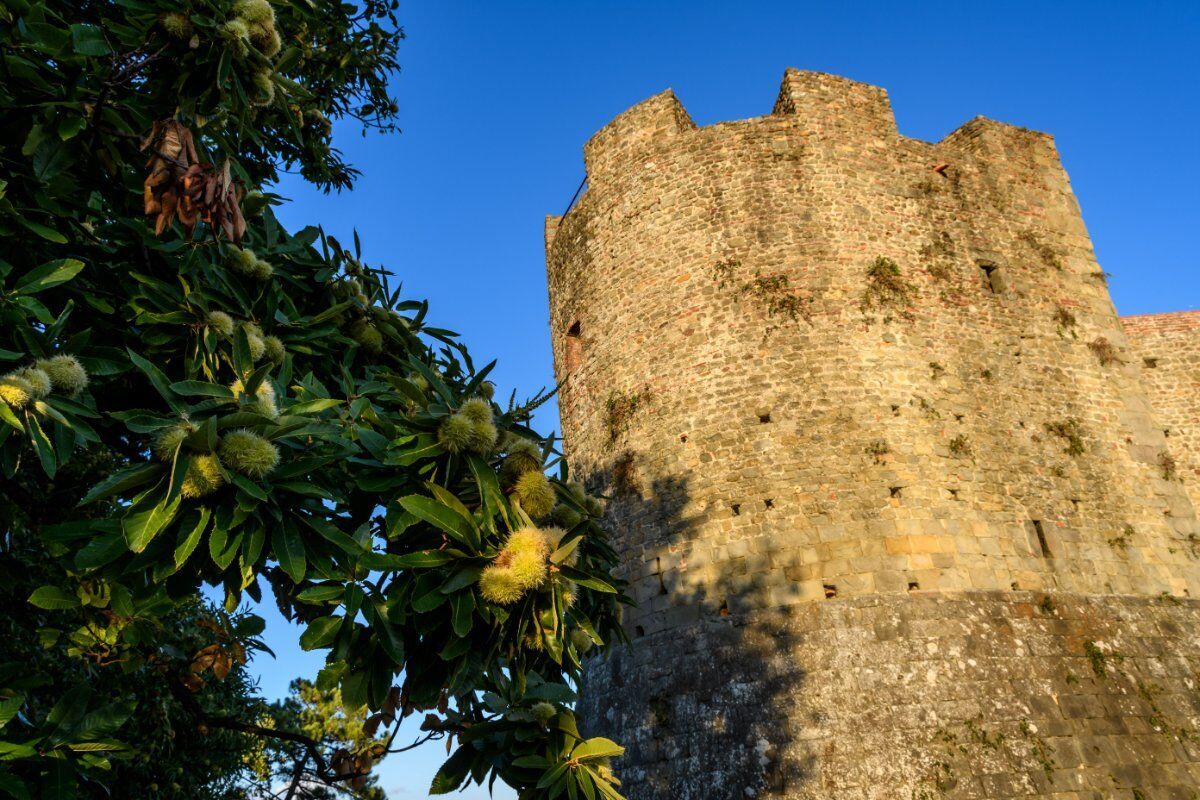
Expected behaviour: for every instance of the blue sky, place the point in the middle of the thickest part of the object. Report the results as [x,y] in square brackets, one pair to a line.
[497,100]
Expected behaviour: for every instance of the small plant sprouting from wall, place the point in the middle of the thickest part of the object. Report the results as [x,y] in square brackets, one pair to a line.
[1122,540]
[1167,465]
[1097,658]
[887,288]
[1104,351]
[1065,320]
[1042,753]
[938,256]
[1102,276]
[619,410]
[960,446]
[773,292]
[1044,251]
[878,449]
[1071,432]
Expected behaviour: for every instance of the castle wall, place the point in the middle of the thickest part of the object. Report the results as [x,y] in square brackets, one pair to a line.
[1166,348]
[789,433]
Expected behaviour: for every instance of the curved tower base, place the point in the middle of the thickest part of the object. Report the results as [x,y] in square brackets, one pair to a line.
[958,696]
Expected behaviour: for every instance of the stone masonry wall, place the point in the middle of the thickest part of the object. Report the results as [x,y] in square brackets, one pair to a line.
[1167,350]
[832,376]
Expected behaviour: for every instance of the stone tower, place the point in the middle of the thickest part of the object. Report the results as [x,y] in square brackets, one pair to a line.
[907,512]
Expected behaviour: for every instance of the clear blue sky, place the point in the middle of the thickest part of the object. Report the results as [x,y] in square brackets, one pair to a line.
[497,100]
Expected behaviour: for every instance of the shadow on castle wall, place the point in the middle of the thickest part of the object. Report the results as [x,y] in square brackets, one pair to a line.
[705,706]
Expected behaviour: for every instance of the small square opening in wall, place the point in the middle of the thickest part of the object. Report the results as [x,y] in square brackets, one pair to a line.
[763,419]
[830,591]
[639,631]
[895,491]
[736,508]
[768,504]
[913,586]
[574,350]
[1150,363]
[993,277]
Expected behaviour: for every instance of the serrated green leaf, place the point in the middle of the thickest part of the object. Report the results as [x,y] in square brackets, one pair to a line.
[320,632]
[48,275]
[289,551]
[53,598]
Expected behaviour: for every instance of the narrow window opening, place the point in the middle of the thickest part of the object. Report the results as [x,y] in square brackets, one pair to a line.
[768,504]
[1151,363]
[724,609]
[1015,588]
[574,356]
[913,586]
[895,411]
[662,586]
[953,494]
[1021,423]
[736,508]
[993,279]
[1075,503]
[683,438]
[830,591]
[1041,535]
[958,417]
[895,491]
[639,631]
[1166,431]
[763,419]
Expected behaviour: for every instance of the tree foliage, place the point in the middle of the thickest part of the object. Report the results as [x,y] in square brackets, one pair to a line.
[197,396]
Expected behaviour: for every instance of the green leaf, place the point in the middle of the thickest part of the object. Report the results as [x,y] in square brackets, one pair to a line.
[321,594]
[88,40]
[320,632]
[101,550]
[417,560]
[598,747]
[45,450]
[313,406]
[53,598]
[141,527]
[157,379]
[202,389]
[583,579]
[463,607]
[289,551]
[122,481]
[441,517]
[49,234]
[453,771]
[10,419]
[391,642]
[48,275]
[10,707]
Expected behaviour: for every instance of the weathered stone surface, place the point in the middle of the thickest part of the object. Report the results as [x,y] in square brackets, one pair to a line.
[863,404]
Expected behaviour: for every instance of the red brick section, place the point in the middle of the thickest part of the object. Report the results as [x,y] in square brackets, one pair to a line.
[1136,324]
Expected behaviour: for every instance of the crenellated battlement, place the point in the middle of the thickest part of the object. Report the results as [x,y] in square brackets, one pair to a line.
[826,108]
